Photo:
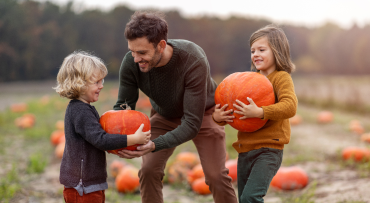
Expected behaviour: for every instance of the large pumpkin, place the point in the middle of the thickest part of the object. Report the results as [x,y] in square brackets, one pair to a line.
[127,180]
[124,122]
[290,178]
[239,86]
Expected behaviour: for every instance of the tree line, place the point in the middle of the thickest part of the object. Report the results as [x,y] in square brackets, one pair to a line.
[35,37]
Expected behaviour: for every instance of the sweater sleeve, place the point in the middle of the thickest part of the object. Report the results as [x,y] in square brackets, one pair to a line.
[194,103]
[286,106]
[87,126]
[128,91]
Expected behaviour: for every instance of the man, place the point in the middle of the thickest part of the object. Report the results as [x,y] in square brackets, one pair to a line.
[175,75]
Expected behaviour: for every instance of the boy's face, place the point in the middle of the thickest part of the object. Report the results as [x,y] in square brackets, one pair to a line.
[144,53]
[92,91]
[262,56]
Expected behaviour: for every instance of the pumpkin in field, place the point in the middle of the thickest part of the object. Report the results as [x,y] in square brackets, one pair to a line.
[232,165]
[357,153]
[59,125]
[57,136]
[25,121]
[356,127]
[115,167]
[124,122]
[290,178]
[239,86]
[296,120]
[177,172]
[59,150]
[325,117]
[143,103]
[199,186]
[20,107]
[188,158]
[127,180]
[195,173]
[365,137]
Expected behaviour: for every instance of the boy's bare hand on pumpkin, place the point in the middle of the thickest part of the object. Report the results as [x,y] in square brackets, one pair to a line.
[220,115]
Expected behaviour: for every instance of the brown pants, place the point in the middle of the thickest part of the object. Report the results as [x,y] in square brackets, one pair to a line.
[71,196]
[210,143]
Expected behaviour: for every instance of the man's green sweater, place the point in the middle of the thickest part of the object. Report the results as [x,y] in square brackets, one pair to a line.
[183,88]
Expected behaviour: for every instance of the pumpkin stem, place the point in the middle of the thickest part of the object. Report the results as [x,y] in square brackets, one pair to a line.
[125,106]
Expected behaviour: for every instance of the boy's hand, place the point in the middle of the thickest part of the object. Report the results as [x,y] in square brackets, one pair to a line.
[221,115]
[248,111]
[140,136]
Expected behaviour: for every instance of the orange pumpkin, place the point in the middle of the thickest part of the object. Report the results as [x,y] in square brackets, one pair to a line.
[239,86]
[57,137]
[177,172]
[295,120]
[232,165]
[357,153]
[325,117]
[20,107]
[124,122]
[189,158]
[366,137]
[199,186]
[25,121]
[44,99]
[290,178]
[143,103]
[115,167]
[127,180]
[356,127]
[195,173]
[59,125]
[59,150]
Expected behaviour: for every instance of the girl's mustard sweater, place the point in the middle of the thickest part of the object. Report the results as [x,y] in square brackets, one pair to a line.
[276,132]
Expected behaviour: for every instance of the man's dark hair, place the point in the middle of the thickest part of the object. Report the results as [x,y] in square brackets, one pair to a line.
[151,25]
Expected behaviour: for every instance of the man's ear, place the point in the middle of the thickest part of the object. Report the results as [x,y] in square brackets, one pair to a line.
[162,45]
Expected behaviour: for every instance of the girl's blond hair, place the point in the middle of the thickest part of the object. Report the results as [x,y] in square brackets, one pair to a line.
[279,44]
[76,72]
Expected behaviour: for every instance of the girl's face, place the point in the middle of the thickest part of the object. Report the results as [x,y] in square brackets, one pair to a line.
[92,91]
[262,56]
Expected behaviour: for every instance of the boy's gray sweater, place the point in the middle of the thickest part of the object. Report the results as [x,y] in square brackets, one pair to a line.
[86,142]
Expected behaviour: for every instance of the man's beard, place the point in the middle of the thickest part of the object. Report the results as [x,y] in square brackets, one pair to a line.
[153,62]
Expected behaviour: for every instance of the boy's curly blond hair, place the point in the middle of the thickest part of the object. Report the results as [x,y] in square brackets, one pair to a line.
[78,70]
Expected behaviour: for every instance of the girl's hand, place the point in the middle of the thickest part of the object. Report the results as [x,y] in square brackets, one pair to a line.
[248,111]
[221,115]
[139,137]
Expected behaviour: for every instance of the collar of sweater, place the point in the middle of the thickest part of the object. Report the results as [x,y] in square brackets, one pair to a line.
[173,59]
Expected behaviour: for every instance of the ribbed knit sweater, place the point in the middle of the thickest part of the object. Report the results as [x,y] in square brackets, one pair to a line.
[276,132]
[183,88]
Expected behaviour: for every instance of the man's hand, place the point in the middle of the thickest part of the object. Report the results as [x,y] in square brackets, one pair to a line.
[141,150]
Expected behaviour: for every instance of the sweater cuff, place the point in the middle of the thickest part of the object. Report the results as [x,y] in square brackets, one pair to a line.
[267,113]
[222,123]
[159,144]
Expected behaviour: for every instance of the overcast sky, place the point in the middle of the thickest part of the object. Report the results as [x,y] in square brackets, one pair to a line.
[298,12]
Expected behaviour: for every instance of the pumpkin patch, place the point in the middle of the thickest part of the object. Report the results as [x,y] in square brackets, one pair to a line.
[239,86]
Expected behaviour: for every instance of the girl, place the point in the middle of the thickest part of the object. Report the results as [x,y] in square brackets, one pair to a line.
[261,152]
[83,168]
